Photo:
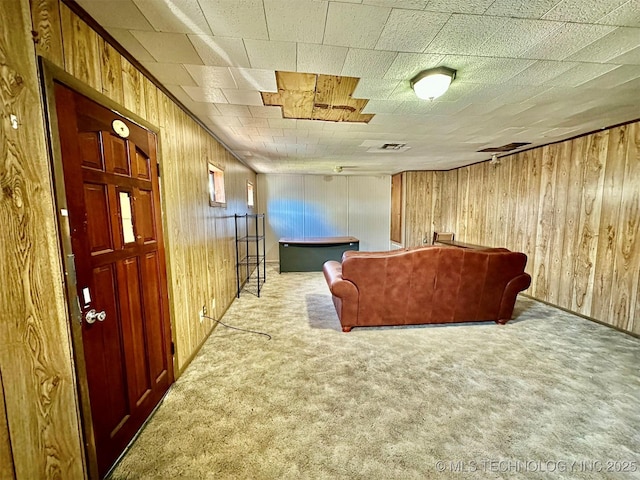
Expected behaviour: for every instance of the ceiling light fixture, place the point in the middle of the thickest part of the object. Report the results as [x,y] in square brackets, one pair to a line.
[432,83]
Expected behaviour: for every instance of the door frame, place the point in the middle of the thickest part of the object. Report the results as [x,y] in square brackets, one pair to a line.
[49,74]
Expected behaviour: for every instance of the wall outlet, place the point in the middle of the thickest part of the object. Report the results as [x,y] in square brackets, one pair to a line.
[203,313]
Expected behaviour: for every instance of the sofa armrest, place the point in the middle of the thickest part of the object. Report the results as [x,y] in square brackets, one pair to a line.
[345,294]
[515,286]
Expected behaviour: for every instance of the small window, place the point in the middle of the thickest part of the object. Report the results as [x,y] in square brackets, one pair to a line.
[216,187]
[250,197]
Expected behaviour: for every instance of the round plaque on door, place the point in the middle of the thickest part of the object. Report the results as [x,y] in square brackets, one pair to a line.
[120,128]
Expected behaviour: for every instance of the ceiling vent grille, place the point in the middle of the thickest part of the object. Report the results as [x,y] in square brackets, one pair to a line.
[505,148]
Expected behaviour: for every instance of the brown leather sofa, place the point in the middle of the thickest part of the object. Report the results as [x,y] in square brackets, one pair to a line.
[426,285]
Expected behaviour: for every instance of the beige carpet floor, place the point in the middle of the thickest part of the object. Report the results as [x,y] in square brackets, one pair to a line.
[549,395]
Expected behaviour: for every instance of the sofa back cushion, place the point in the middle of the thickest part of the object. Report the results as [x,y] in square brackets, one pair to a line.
[447,284]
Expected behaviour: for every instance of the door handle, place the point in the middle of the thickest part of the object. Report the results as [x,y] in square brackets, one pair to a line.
[92,316]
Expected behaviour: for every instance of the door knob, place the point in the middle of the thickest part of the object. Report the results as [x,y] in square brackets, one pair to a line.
[91,316]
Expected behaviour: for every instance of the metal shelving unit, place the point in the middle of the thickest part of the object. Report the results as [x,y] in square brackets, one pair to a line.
[250,253]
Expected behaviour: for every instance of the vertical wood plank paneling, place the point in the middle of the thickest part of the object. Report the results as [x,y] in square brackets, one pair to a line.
[396,208]
[35,354]
[608,224]
[81,46]
[369,211]
[531,201]
[45,16]
[625,297]
[463,204]
[593,179]
[561,155]
[111,72]
[6,456]
[572,223]
[151,101]
[133,88]
[449,201]
[504,203]
[546,223]
[573,207]
[435,217]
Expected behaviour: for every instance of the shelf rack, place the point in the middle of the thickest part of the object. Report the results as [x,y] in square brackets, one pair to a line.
[250,252]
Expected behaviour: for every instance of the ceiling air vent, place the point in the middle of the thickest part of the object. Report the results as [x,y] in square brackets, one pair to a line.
[374,146]
[505,148]
[393,146]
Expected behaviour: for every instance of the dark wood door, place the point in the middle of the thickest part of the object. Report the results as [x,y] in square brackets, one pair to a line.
[111,188]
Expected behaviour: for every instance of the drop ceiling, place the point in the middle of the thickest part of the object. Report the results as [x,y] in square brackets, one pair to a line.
[531,71]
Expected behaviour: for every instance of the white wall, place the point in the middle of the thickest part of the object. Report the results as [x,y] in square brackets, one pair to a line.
[305,206]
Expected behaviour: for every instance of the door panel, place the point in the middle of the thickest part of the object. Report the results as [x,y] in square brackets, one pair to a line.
[155,341]
[144,209]
[112,194]
[142,166]
[96,199]
[90,147]
[117,155]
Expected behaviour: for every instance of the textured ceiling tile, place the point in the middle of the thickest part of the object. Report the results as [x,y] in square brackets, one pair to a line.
[205,94]
[234,110]
[131,44]
[581,10]
[410,30]
[485,69]
[381,106]
[540,72]
[367,63]
[116,14]
[459,6]
[516,37]
[254,79]
[322,59]
[565,41]
[233,18]
[207,76]
[184,16]
[266,112]
[272,55]
[169,73]
[204,110]
[220,51]
[254,122]
[632,57]
[409,4]
[464,34]
[615,78]
[403,93]
[357,26]
[407,65]
[374,88]
[627,15]
[616,43]
[296,20]
[580,74]
[243,97]
[168,47]
[285,122]
[521,8]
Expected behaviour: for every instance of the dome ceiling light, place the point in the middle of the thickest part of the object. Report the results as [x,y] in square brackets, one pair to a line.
[432,83]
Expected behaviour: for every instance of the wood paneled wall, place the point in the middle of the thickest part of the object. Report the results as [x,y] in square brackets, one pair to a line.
[35,354]
[573,207]
[199,238]
[39,410]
